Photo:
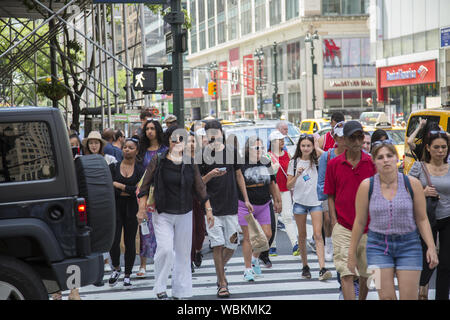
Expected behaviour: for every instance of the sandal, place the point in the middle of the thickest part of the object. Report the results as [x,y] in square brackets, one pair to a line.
[223,292]
[141,272]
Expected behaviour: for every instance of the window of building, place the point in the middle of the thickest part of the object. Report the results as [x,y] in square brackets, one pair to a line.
[193,39]
[345,7]
[17,164]
[260,15]
[367,67]
[331,7]
[221,31]
[332,58]
[275,12]
[201,10]
[294,101]
[202,36]
[292,9]
[233,20]
[293,60]
[351,58]
[211,9]
[246,17]
[211,33]
[433,39]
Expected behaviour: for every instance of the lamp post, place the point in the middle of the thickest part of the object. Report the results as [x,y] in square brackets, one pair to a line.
[213,66]
[310,38]
[259,53]
[275,90]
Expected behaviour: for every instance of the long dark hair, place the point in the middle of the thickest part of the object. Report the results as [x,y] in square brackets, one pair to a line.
[298,151]
[430,138]
[377,135]
[254,140]
[145,141]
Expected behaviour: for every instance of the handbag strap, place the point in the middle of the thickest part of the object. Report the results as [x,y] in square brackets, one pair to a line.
[427,174]
[278,161]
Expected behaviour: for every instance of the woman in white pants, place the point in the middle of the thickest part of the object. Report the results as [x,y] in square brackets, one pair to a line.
[175,179]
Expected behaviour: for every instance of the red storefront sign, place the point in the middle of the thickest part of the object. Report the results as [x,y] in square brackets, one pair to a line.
[407,74]
[235,71]
[249,74]
[223,77]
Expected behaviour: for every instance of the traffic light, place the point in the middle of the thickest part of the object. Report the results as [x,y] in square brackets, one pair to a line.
[212,88]
[278,100]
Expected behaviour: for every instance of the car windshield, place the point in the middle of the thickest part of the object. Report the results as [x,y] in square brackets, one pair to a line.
[369,118]
[242,134]
[398,136]
[324,125]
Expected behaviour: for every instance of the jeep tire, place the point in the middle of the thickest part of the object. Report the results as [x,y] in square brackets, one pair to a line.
[19,281]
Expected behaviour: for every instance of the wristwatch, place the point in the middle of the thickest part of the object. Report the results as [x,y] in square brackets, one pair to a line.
[208,209]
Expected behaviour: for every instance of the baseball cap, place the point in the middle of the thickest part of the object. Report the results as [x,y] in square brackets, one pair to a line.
[170,118]
[339,129]
[276,135]
[352,126]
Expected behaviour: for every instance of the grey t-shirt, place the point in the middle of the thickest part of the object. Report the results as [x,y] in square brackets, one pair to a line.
[442,185]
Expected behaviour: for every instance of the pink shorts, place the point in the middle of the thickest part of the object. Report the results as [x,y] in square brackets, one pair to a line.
[261,213]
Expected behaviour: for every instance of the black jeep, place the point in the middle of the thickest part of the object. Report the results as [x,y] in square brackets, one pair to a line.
[56,214]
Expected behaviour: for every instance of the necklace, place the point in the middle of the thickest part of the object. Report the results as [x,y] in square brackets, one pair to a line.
[126,170]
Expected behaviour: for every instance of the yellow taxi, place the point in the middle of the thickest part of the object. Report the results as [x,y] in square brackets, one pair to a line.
[439,115]
[310,126]
[395,133]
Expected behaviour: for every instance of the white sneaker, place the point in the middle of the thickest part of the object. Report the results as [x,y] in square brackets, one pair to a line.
[329,252]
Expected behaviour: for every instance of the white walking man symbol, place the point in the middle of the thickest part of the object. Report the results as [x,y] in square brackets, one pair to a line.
[139,77]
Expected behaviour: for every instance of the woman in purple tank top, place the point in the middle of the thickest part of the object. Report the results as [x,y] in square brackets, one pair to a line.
[397,214]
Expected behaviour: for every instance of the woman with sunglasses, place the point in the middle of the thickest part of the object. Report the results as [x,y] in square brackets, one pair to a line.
[126,175]
[302,178]
[261,186]
[152,143]
[396,205]
[175,179]
[436,153]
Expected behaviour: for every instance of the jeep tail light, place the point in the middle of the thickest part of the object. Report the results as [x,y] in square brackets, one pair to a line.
[81,212]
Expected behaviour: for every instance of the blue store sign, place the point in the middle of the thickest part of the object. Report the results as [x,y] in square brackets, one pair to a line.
[445,37]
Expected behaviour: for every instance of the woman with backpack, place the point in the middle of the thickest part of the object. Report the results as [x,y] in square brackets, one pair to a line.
[397,215]
[302,178]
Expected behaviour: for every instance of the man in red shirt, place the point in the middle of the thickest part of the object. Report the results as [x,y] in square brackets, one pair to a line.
[326,141]
[343,177]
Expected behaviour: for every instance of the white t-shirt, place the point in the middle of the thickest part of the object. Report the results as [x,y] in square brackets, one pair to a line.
[305,189]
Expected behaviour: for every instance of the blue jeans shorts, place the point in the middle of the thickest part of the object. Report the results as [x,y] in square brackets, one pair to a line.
[402,252]
[301,209]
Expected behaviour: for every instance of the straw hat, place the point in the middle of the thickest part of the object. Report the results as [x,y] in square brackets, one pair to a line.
[94,135]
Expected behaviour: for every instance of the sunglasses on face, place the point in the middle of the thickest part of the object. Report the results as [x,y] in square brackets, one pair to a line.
[381,142]
[133,140]
[339,124]
[358,136]
[213,139]
[176,139]
[304,136]
[257,148]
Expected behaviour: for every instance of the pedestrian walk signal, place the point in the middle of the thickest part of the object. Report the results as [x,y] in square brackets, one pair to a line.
[144,79]
[278,100]
[212,88]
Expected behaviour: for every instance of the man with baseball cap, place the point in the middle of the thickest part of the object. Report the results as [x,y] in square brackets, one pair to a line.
[171,120]
[342,179]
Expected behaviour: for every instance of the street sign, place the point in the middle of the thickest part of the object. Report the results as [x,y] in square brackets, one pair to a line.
[259,88]
[445,37]
[169,43]
[144,79]
[268,101]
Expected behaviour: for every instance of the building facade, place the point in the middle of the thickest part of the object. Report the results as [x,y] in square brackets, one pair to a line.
[225,36]
[413,64]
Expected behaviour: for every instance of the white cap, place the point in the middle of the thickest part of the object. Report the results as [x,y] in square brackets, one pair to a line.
[200,132]
[339,129]
[276,135]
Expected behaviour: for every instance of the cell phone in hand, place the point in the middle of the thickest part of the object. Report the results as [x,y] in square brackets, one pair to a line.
[222,169]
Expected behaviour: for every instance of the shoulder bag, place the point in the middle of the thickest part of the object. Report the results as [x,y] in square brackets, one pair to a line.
[432,202]
[257,236]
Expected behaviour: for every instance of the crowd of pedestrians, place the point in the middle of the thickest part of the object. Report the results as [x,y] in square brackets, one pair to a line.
[173,187]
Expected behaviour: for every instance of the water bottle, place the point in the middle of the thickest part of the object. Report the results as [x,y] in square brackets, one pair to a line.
[144,228]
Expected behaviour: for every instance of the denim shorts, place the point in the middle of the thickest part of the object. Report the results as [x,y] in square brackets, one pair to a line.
[301,209]
[402,252]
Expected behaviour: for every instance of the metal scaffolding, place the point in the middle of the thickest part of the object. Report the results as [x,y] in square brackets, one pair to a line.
[71,44]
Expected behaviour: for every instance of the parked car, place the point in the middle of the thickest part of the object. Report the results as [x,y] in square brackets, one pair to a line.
[56,214]
[311,126]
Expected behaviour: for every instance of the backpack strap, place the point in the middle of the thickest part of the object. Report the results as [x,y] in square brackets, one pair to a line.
[408,186]
[372,179]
